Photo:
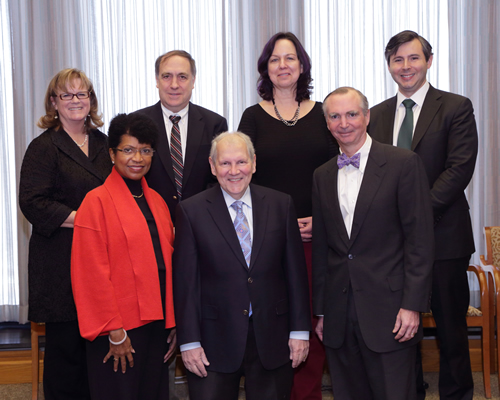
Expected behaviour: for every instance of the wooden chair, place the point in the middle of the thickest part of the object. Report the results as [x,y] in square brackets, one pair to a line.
[491,263]
[36,331]
[476,318]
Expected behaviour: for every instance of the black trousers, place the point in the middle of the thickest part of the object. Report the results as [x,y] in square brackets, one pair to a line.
[260,383]
[148,379]
[65,362]
[449,304]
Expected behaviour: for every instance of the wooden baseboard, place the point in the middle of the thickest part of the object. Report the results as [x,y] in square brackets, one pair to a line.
[15,365]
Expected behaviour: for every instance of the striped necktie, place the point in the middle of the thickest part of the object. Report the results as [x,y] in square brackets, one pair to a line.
[176,153]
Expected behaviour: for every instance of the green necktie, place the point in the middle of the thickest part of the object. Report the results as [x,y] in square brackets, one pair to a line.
[406,132]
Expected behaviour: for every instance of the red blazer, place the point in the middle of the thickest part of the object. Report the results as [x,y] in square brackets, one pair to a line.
[114,273]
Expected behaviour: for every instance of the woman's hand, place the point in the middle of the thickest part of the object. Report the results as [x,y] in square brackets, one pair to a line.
[69,222]
[172,339]
[120,353]
[306,228]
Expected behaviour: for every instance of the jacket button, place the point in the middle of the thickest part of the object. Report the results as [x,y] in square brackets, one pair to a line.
[250,280]
[175,197]
[350,256]
[245,312]
[344,290]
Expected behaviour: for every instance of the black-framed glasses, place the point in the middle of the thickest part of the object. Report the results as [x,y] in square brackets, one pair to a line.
[131,151]
[79,95]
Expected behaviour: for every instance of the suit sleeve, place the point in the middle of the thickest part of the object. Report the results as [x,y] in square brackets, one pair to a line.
[319,251]
[186,281]
[298,287]
[416,219]
[39,173]
[221,126]
[93,290]
[460,161]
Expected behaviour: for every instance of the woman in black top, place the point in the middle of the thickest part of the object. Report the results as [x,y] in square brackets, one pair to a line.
[291,140]
[60,166]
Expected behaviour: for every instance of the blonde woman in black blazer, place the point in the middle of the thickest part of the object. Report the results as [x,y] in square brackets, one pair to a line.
[60,166]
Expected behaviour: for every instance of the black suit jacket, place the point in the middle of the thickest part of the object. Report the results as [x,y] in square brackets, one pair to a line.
[386,261]
[203,126]
[213,286]
[446,140]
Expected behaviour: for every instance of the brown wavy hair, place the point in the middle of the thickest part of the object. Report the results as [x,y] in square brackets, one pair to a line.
[60,81]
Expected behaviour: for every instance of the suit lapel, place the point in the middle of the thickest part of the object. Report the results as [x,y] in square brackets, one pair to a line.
[196,127]
[222,219]
[65,144]
[163,148]
[431,106]
[372,178]
[260,212]
[332,197]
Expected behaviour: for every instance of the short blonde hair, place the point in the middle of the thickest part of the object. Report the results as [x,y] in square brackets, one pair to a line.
[60,82]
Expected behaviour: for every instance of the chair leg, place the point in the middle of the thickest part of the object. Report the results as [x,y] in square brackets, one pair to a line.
[486,363]
[35,363]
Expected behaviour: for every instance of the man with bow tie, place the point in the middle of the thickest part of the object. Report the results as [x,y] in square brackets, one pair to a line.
[372,256]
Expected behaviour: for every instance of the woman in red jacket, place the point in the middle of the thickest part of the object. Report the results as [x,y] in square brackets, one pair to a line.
[121,272]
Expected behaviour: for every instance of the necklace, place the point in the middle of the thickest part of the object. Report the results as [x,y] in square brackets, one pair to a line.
[291,122]
[138,197]
[85,141]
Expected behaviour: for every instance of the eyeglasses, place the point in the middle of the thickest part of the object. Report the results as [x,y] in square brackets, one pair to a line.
[131,151]
[79,95]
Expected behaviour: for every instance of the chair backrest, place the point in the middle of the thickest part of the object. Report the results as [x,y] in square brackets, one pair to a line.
[492,236]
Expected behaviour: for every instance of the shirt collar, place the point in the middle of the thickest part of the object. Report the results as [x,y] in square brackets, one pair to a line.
[167,113]
[246,198]
[363,154]
[418,97]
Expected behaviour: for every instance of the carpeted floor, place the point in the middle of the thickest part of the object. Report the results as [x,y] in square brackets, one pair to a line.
[23,391]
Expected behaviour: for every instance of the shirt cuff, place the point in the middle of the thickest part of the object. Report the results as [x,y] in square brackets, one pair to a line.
[190,346]
[301,335]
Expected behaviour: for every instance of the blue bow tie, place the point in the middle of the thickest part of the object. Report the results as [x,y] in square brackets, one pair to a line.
[343,160]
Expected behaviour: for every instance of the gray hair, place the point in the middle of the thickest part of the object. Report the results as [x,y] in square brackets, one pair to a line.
[232,135]
[344,90]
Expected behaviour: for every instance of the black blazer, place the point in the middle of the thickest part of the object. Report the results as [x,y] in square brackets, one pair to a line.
[203,126]
[446,140]
[213,286]
[386,261]
[55,177]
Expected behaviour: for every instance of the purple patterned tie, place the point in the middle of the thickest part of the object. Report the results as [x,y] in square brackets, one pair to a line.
[176,153]
[343,160]
[242,230]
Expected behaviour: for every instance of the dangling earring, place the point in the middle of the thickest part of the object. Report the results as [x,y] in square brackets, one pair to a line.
[56,115]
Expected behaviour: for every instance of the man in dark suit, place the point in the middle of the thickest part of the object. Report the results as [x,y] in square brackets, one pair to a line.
[186,173]
[443,133]
[240,282]
[372,256]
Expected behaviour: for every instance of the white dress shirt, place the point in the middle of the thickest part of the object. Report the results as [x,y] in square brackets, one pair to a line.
[247,210]
[418,97]
[348,184]
[183,126]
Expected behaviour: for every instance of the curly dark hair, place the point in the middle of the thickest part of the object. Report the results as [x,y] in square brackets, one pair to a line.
[139,126]
[264,84]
